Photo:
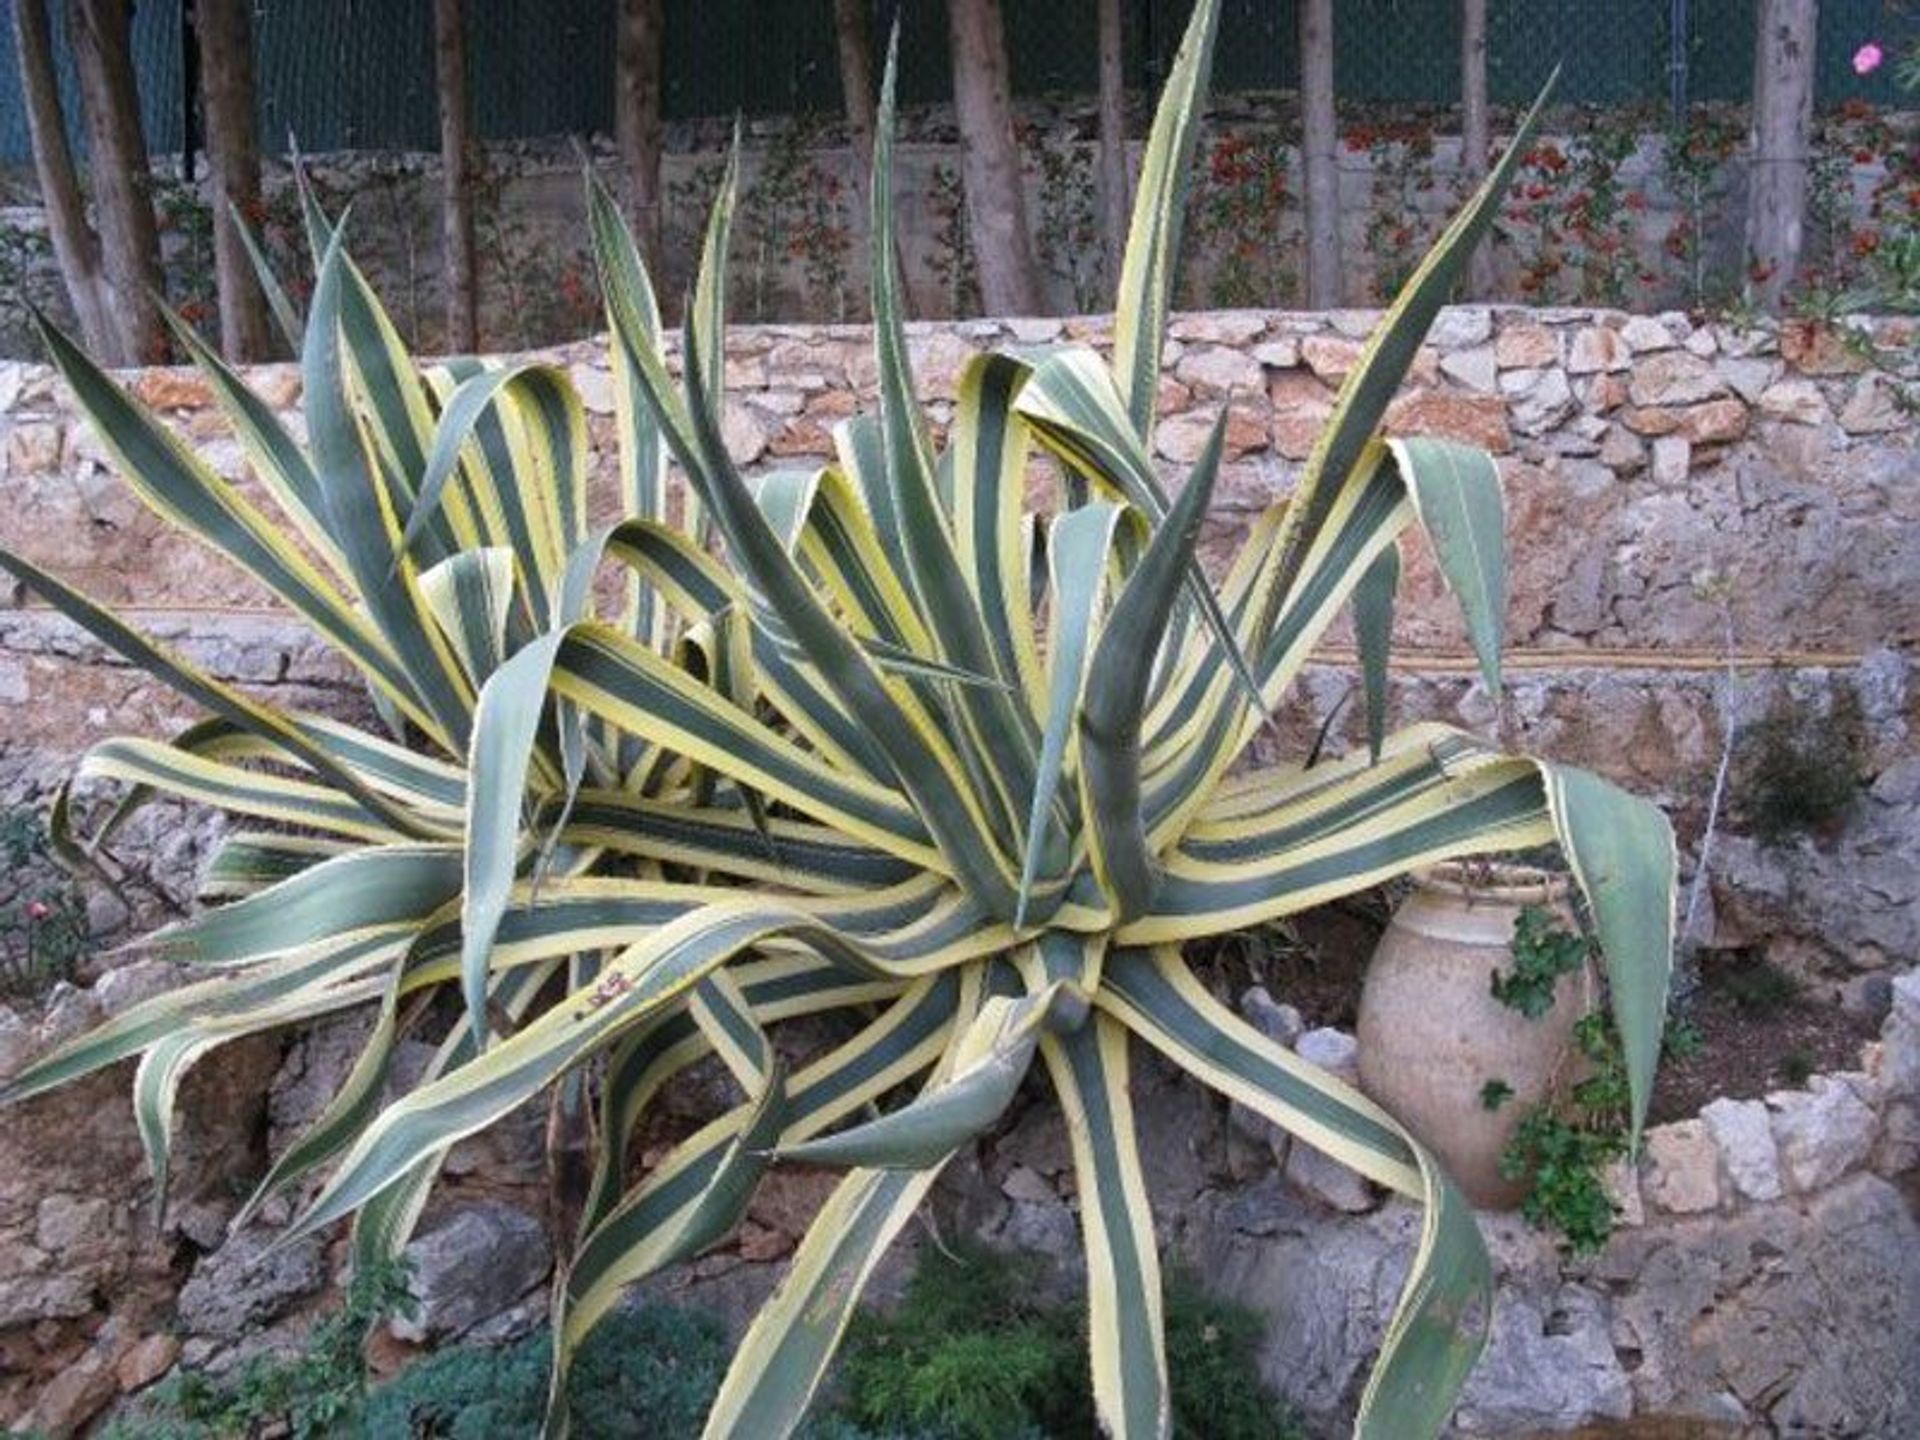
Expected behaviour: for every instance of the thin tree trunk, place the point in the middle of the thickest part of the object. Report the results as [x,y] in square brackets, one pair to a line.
[1782,131]
[1318,136]
[225,32]
[1113,138]
[855,41]
[117,166]
[636,120]
[75,245]
[456,168]
[851,35]
[990,160]
[1476,141]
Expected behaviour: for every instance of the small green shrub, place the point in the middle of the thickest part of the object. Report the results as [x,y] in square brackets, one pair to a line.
[1797,1067]
[970,1354]
[1798,768]
[1543,950]
[1756,985]
[1494,1094]
[645,1371]
[318,1393]
[43,923]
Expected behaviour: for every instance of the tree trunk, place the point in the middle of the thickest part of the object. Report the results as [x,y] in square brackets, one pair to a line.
[855,42]
[856,84]
[1476,141]
[1318,137]
[1113,139]
[225,31]
[75,245]
[636,121]
[990,160]
[117,165]
[456,167]
[1782,131]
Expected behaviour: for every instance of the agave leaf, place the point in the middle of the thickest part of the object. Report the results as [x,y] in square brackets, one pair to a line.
[1159,208]
[1373,630]
[1456,493]
[1390,350]
[1112,708]
[1089,1070]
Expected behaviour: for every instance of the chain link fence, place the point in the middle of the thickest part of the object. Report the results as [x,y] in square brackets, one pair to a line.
[358,74]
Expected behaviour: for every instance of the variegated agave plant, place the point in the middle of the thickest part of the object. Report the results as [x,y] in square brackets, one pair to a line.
[958,770]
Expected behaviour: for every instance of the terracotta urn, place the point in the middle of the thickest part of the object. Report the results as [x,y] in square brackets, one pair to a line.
[1432,1035]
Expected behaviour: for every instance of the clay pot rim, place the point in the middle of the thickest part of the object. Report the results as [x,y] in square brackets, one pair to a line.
[1495,881]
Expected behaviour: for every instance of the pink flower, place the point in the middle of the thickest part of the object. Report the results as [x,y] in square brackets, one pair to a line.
[38,910]
[1868,58]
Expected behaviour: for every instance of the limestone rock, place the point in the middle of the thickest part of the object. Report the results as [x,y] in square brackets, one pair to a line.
[1675,378]
[1282,353]
[1445,415]
[1900,1039]
[1328,1181]
[1749,377]
[1672,461]
[1334,1051]
[1874,407]
[79,1392]
[1330,357]
[1526,347]
[1643,334]
[1476,368]
[1219,327]
[1713,422]
[1790,1319]
[473,1265]
[1024,1183]
[1279,1023]
[1683,1168]
[1220,369]
[1823,1132]
[1597,348]
[1547,1366]
[173,388]
[1540,399]
[1796,400]
[1868,997]
[240,1287]
[146,1361]
[1622,452]
[745,441]
[1458,327]
[595,388]
[1325,1283]
[1744,1134]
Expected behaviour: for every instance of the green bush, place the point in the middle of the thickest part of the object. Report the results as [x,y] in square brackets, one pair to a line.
[971,1354]
[1798,769]
[646,1371]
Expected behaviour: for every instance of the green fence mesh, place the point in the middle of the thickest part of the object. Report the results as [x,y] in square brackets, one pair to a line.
[359,73]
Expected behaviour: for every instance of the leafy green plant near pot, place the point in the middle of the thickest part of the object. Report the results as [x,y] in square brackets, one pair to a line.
[864,767]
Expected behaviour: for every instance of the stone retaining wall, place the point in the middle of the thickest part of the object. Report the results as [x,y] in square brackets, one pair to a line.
[1656,471]
[1767,1276]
